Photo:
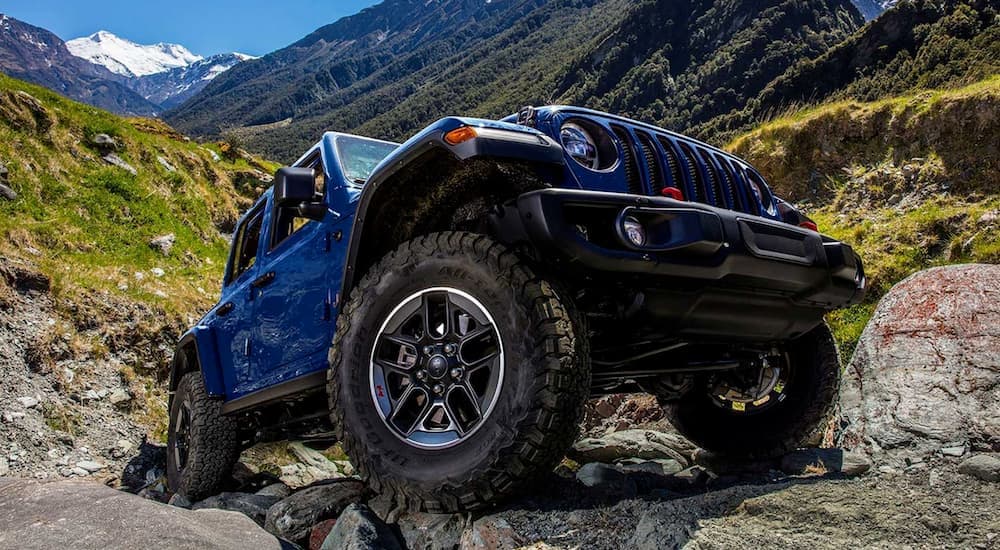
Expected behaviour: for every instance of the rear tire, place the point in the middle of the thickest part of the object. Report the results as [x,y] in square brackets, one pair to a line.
[202,444]
[806,404]
[527,420]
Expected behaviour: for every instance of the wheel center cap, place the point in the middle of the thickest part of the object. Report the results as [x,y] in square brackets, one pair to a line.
[437,366]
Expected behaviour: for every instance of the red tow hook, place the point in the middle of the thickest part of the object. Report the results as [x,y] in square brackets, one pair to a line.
[673,193]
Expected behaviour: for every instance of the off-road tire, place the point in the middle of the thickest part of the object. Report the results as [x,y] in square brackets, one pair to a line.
[214,445]
[811,395]
[537,413]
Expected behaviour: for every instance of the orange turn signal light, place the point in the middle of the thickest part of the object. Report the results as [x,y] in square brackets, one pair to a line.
[460,135]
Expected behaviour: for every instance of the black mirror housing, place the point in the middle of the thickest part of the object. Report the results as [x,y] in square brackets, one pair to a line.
[312,210]
[294,186]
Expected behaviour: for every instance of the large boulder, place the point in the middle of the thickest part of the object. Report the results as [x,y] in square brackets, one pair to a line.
[84,515]
[927,368]
[292,518]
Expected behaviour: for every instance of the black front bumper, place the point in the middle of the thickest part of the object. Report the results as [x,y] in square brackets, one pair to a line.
[694,246]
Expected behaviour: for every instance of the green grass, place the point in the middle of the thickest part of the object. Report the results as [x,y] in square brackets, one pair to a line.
[87,224]
[904,180]
[918,103]
[897,243]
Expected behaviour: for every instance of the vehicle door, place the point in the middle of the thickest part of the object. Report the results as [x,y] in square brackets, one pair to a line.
[233,318]
[294,302]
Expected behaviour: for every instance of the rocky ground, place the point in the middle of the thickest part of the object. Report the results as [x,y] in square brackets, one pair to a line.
[905,475]
[653,490]
[66,396]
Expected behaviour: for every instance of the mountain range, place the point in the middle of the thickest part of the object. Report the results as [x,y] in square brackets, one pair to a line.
[316,78]
[712,68]
[398,65]
[36,55]
[107,71]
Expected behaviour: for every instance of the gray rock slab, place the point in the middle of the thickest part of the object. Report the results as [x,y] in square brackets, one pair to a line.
[85,515]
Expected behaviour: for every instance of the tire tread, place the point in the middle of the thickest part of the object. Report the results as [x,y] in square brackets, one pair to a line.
[561,380]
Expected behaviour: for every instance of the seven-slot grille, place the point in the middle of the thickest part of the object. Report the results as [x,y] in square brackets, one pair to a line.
[653,161]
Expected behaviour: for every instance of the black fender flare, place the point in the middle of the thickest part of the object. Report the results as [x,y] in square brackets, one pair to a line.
[196,350]
[496,141]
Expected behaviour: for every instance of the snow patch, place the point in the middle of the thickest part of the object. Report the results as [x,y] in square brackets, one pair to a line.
[127,58]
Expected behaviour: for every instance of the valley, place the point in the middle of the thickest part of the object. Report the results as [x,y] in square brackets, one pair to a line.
[114,235]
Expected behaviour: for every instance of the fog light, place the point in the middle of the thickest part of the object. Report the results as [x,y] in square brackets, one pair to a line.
[634,231]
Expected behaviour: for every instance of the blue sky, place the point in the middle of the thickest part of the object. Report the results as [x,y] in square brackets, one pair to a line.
[205,27]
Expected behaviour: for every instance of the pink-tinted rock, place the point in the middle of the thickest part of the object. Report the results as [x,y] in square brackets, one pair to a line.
[926,371]
[319,533]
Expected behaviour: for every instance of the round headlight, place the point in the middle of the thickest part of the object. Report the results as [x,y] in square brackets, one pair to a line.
[634,230]
[580,145]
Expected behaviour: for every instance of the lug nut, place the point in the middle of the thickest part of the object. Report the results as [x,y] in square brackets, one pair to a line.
[450,349]
[438,389]
[457,373]
[421,375]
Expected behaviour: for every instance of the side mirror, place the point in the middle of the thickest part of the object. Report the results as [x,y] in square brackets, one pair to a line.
[294,186]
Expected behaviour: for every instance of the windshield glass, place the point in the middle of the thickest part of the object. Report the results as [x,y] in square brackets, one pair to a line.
[360,156]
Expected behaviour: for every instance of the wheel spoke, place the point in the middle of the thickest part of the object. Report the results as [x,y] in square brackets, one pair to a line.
[469,341]
[421,419]
[475,334]
[473,366]
[449,314]
[425,308]
[439,360]
[400,407]
[471,394]
[453,422]
[396,352]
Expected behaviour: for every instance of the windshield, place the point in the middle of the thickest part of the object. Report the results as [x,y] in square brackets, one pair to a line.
[360,156]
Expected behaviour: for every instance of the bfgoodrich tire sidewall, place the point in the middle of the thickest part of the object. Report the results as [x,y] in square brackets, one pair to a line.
[174,473]
[430,467]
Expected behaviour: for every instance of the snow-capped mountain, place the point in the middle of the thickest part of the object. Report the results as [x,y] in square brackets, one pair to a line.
[127,58]
[171,88]
[36,55]
[165,74]
[107,71]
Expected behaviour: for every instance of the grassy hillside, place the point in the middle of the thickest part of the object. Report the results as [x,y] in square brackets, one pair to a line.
[118,304]
[668,61]
[918,45]
[911,182]
[87,223]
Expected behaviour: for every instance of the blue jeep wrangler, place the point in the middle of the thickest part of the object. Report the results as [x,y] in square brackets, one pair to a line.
[445,307]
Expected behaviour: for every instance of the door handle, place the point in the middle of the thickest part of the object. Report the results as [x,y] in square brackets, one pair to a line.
[263,280]
[224,309]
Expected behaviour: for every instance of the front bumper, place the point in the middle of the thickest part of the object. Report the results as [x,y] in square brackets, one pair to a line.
[692,245]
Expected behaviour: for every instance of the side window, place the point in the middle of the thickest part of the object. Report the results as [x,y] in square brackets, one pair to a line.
[286,220]
[245,245]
